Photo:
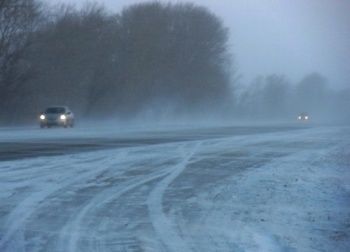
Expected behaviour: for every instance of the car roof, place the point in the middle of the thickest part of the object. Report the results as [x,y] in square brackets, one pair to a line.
[65,107]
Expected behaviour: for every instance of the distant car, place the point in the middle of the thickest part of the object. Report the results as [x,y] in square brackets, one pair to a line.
[57,116]
[303,117]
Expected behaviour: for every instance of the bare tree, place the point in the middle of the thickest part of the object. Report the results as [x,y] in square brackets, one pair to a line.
[150,55]
[178,51]
[18,19]
[312,95]
[275,96]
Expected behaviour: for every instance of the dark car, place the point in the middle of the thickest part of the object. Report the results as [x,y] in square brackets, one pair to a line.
[57,116]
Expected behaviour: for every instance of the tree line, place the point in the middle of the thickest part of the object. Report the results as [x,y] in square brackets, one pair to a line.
[155,58]
[274,97]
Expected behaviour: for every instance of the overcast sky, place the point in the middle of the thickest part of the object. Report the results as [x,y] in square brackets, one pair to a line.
[291,37]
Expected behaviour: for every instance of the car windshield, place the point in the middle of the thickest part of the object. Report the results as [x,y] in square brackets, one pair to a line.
[56,110]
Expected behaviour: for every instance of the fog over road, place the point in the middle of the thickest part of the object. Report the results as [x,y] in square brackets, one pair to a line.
[214,189]
[21,143]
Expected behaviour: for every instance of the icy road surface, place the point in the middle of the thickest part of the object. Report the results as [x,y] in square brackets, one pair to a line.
[237,189]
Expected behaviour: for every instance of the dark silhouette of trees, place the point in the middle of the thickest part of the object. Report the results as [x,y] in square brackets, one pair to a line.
[274,98]
[154,59]
[174,51]
[18,20]
[266,98]
[72,59]
[164,58]
[312,94]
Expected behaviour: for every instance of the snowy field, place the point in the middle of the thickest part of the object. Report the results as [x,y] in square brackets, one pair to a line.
[237,189]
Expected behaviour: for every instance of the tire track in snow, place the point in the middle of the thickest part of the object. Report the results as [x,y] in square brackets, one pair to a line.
[16,220]
[70,234]
[163,226]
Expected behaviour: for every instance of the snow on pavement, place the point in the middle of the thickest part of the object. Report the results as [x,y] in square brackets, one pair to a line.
[284,191]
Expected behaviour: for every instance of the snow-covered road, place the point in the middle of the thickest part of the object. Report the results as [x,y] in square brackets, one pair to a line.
[284,190]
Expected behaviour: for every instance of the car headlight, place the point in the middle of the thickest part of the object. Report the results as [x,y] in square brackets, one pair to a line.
[306,118]
[42,117]
[63,117]
[299,117]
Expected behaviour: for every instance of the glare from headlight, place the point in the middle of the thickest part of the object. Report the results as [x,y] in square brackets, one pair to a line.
[299,117]
[42,117]
[63,117]
[306,118]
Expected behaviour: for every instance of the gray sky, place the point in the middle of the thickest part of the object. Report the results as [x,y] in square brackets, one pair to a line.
[291,37]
